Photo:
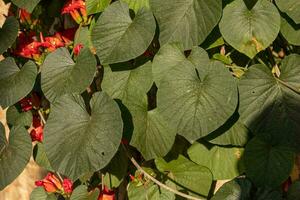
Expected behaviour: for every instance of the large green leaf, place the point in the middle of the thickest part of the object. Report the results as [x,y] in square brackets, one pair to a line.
[197,98]
[222,162]
[149,191]
[40,157]
[266,164]
[15,83]
[187,175]
[186,21]
[119,84]
[96,6]
[250,31]
[119,38]
[39,193]
[171,55]
[8,33]
[15,117]
[263,96]
[28,5]
[60,75]
[291,8]
[290,30]
[137,4]
[14,154]
[88,142]
[236,189]
[233,132]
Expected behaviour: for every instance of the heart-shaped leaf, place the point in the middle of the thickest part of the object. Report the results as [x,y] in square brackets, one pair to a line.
[290,30]
[118,38]
[8,33]
[76,142]
[222,162]
[15,83]
[291,8]
[266,164]
[14,154]
[186,21]
[197,98]
[250,31]
[60,75]
[15,117]
[263,96]
[189,176]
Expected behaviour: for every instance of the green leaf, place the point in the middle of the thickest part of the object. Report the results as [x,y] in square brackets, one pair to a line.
[137,4]
[171,55]
[15,117]
[236,189]
[266,164]
[187,175]
[222,162]
[290,30]
[40,157]
[96,6]
[250,31]
[291,8]
[197,99]
[28,5]
[263,96]
[119,84]
[8,33]
[186,21]
[118,38]
[83,36]
[15,83]
[88,142]
[39,193]
[60,75]
[294,191]
[149,191]
[116,170]
[233,132]
[81,193]
[14,154]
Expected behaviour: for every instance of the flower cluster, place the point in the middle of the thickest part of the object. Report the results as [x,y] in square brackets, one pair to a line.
[38,129]
[52,184]
[77,9]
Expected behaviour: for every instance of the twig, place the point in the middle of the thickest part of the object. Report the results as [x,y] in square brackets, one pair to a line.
[42,117]
[134,162]
[59,176]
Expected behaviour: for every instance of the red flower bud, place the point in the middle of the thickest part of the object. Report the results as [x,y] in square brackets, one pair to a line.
[25,17]
[68,186]
[77,49]
[26,104]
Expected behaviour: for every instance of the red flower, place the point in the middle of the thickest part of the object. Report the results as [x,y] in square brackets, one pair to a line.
[37,132]
[26,104]
[50,183]
[28,47]
[68,35]
[107,194]
[53,42]
[77,9]
[25,17]
[77,49]
[68,186]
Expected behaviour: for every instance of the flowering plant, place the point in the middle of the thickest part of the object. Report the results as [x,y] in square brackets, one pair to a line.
[152,99]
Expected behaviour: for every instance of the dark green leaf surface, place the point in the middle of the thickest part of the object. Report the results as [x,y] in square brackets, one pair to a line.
[28,5]
[118,38]
[39,193]
[88,141]
[96,6]
[8,33]
[60,75]
[197,98]
[137,4]
[14,154]
[250,31]
[186,21]
[290,30]
[15,117]
[268,165]
[195,179]
[81,193]
[15,83]
[222,162]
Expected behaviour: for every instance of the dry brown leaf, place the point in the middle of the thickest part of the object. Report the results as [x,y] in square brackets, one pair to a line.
[3,12]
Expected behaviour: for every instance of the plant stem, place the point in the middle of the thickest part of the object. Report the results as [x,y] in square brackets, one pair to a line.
[42,117]
[162,185]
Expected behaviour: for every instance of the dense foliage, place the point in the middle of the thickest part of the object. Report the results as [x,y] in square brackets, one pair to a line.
[152,99]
